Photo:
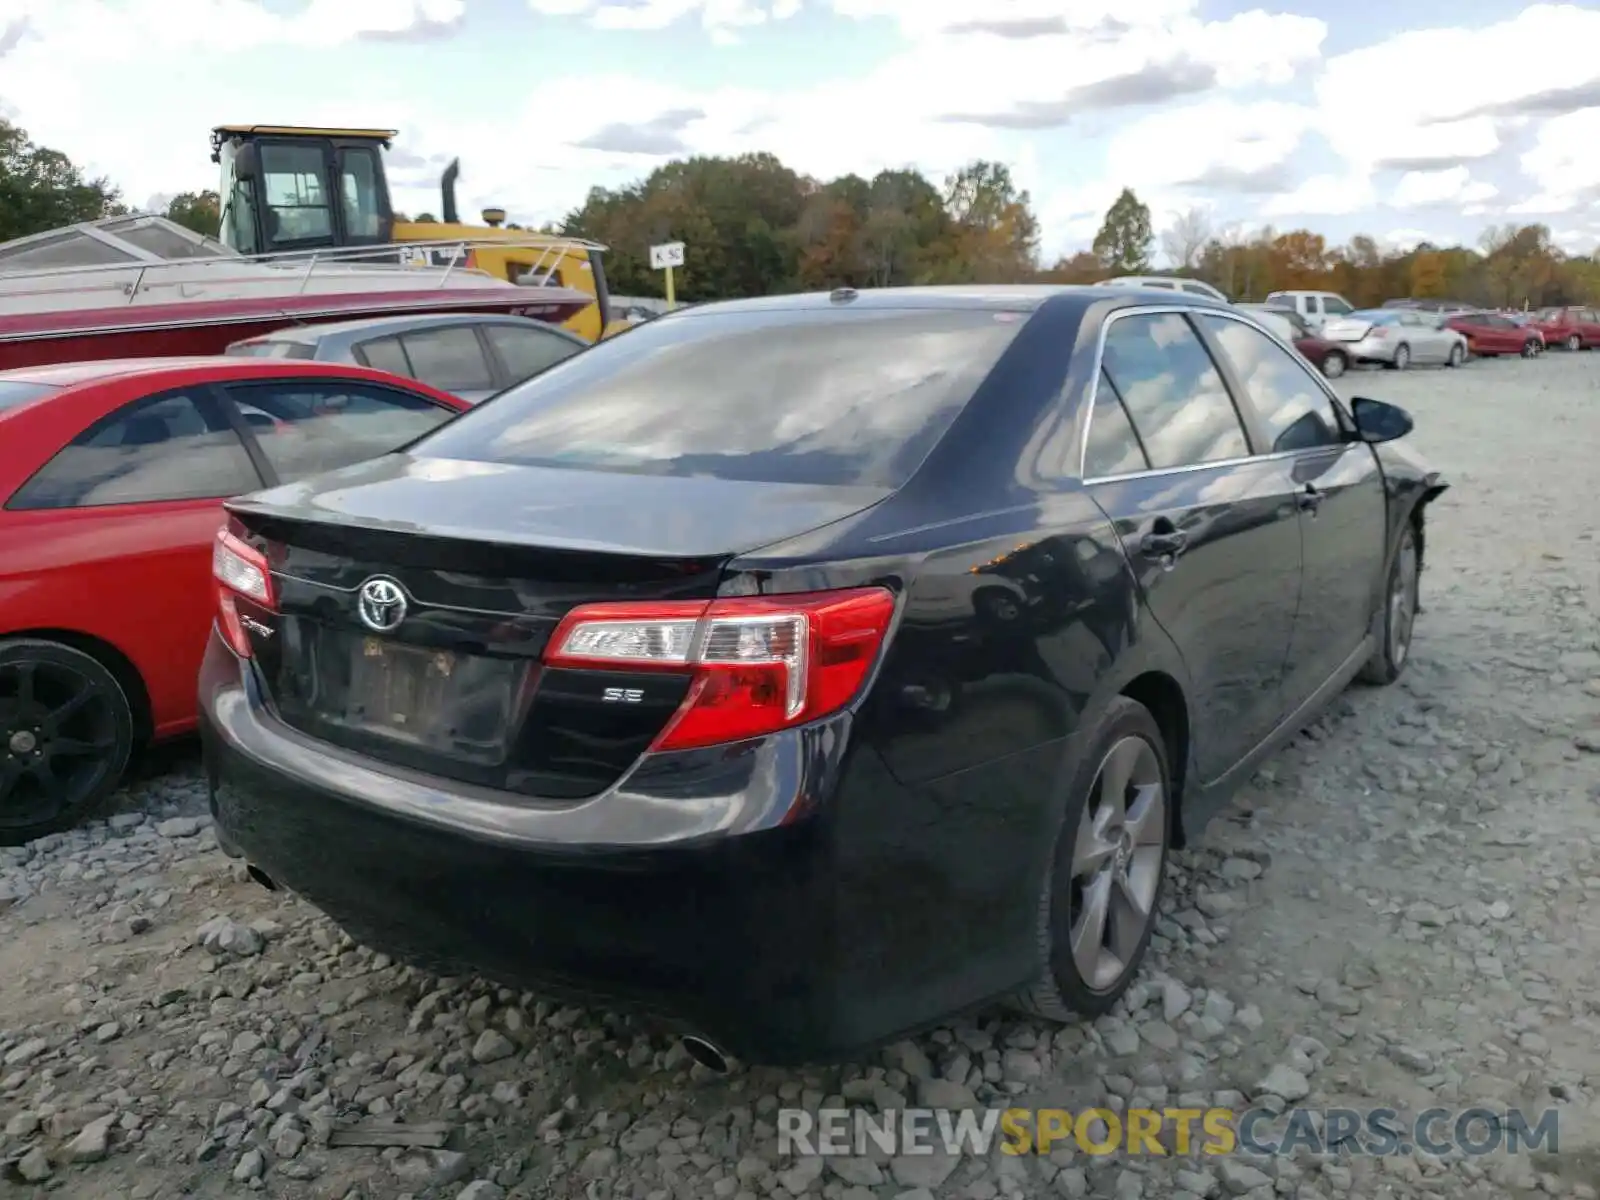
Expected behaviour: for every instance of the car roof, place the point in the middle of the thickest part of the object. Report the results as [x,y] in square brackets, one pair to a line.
[397,323]
[997,297]
[97,370]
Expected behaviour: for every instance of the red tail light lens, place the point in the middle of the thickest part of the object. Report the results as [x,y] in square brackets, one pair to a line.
[760,663]
[239,570]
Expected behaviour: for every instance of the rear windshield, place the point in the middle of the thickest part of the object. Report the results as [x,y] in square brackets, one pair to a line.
[778,396]
[275,349]
[14,393]
[1375,316]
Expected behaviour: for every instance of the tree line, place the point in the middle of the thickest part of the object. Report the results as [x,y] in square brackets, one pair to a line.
[753,226]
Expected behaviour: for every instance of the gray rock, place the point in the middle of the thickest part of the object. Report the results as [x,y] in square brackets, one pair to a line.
[492,1046]
[1240,1178]
[93,1142]
[481,1189]
[1286,1082]
[923,1170]
[34,1165]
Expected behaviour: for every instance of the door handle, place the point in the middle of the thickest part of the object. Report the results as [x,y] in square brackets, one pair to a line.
[1309,500]
[1164,545]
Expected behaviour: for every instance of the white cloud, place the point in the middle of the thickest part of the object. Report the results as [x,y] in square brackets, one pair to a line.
[1439,94]
[1564,163]
[1404,240]
[1328,195]
[1426,189]
[720,18]
[1197,141]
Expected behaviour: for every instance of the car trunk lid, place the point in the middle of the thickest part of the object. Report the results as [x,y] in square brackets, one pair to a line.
[1347,329]
[415,598]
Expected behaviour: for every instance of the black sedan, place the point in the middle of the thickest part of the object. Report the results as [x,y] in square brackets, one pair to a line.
[809,668]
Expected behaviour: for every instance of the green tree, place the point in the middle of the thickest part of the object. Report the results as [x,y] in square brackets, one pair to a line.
[42,189]
[1125,239]
[199,211]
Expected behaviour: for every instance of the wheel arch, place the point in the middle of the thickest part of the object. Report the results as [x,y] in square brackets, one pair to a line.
[1163,696]
[113,660]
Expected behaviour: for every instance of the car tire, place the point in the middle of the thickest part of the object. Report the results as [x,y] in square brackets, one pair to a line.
[1395,623]
[1401,359]
[66,735]
[1531,348]
[1457,356]
[1101,860]
[1575,343]
[1335,365]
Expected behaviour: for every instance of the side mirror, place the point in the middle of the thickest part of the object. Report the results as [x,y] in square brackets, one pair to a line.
[246,162]
[1380,422]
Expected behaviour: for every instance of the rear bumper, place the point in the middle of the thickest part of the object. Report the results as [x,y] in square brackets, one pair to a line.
[693,892]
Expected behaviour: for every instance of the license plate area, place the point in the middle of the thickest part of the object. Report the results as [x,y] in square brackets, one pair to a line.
[456,705]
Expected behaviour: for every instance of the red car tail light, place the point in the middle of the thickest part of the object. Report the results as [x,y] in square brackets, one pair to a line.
[239,570]
[760,663]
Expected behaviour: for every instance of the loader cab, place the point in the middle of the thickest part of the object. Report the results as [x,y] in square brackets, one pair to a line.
[286,188]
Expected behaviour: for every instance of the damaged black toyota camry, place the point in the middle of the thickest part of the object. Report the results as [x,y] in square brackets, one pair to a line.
[807,669]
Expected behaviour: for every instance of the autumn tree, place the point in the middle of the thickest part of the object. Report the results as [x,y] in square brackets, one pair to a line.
[199,211]
[42,189]
[1184,239]
[1125,239]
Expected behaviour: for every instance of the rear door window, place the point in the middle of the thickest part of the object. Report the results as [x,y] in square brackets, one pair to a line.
[1113,446]
[385,354]
[1314,305]
[1173,391]
[451,359]
[783,396]
[525,352]
[170,447]
[304,427]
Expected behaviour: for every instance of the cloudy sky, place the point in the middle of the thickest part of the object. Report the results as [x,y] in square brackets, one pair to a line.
[1409,119]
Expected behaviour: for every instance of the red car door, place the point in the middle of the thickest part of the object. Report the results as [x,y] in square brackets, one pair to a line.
[1588,322]
[112,538]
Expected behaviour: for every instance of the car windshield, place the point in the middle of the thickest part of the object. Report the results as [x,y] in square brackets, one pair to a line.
[15,392]
[823,396]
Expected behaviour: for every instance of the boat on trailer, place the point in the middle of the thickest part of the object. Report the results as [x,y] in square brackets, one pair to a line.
[142,286]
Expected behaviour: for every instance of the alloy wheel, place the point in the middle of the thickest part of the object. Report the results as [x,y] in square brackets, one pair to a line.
[1402,358]
[1333,366]
[1456,355]
[1574,342]
[58,737]
[1403,599]
[1116,863]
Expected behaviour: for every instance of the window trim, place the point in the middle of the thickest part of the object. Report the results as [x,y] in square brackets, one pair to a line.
[201,394]
[1250,422]
[229,402]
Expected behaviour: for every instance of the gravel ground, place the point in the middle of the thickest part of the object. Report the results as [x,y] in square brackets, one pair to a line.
[1395,914]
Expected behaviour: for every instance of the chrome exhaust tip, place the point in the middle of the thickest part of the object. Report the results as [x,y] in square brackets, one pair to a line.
[261,877]
[706,1054]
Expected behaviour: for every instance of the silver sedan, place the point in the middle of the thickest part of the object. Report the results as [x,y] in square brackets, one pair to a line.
[1397,338]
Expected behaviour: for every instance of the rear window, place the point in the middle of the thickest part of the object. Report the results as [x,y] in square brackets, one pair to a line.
[273,349]
[780,396]
[1376,316]
[15,393]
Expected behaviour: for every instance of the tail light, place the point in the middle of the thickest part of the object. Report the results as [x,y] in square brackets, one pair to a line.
[239,570]
[759,663]
[1378,331]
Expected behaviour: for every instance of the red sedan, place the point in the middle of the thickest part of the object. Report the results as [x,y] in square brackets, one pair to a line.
[1489,334]
[1571,327]
[111,486]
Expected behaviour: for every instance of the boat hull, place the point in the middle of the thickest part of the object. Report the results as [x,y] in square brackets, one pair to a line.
[209,327]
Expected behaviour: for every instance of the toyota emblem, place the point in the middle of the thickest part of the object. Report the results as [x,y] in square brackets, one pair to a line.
[381,604]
